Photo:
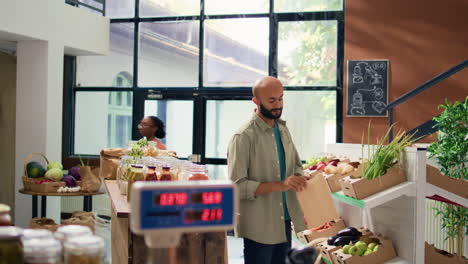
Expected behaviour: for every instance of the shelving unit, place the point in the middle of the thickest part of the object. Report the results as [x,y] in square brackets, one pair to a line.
[396,212]
[407,188]
[434,190]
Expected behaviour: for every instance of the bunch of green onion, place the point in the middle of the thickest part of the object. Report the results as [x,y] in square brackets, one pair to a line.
[385,156]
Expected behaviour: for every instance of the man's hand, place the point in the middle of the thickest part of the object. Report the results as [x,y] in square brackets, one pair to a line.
[295,182]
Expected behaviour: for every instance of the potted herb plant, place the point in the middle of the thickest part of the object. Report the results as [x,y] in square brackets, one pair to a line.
[450,150]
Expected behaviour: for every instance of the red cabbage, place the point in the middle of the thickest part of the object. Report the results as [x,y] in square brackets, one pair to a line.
[70,181]
[75,172]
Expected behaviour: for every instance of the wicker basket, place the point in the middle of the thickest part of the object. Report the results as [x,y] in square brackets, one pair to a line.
[29,184]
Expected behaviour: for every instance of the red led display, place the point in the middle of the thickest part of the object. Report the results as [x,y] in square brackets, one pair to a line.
[168,199]
[212,197]
[211,214]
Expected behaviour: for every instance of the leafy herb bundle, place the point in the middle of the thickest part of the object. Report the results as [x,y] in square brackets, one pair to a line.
[385,156]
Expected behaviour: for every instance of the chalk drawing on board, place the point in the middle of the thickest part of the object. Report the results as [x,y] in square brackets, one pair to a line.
[373,79]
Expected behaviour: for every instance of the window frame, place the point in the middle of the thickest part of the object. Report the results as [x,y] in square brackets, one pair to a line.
[200,93]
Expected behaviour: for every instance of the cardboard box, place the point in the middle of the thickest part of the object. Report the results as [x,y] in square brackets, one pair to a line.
[310,235]
[437,256]
[327,251]
[360,188]
[386,252]
[333,181]
[456,186]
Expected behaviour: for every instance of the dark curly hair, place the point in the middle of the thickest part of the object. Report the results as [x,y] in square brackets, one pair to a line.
[161,131]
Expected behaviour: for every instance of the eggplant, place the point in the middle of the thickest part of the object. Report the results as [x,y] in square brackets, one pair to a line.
[350,231]
[345,240]
[331,240]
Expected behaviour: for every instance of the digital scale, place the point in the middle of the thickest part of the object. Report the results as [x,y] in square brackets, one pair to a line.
[163,211]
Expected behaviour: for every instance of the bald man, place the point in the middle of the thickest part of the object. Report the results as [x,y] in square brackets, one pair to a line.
[263,162]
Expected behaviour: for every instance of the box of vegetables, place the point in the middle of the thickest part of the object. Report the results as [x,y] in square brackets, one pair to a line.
[332,168]
[379,171]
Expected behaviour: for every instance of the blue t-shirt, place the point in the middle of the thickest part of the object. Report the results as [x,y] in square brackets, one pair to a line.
[282,165]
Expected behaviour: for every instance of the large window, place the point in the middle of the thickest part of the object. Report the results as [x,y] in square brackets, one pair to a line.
[194,67]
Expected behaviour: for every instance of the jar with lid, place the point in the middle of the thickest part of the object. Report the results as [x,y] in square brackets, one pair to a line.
[31,233]
[42,251]
[166,174]
[151,174]
[66,232]
[11,251]
[5,218]
[198,172]
[87,249]
[184,170]
[136,174]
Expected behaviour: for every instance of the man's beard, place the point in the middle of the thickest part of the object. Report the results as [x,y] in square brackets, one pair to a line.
[269,113]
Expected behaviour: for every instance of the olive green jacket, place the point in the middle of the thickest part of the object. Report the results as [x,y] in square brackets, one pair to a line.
[253,159]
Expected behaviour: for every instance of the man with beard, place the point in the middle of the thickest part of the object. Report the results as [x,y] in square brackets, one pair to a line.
[263,162]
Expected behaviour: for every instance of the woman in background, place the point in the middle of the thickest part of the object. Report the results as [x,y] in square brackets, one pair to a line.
[152,128]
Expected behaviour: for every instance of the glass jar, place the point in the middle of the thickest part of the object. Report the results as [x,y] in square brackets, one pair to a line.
[5,218]
[184,171]
[198,172]
[87,249]
[136,174]
[31,233]
[11,251]
[42,251]
[151,174]
[66,232]
[166,174]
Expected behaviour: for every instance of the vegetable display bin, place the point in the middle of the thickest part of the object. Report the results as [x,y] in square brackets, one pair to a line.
[386,252]
[437,256]
[360,188]
[455,186]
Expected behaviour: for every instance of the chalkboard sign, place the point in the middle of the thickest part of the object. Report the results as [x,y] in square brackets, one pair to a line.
[367,87]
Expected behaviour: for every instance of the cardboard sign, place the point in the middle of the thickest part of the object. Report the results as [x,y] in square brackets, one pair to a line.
[316,202]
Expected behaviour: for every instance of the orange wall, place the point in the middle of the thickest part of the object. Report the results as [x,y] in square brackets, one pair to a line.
[421,38]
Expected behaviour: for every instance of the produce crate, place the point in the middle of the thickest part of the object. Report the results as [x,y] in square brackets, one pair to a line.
[360,188]
[437,256]
[386,252]
[327,251]
[333,181]
[455,186]
[309,235]
[45,187]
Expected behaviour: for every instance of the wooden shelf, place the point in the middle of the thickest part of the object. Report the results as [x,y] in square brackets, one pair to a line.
[406,188]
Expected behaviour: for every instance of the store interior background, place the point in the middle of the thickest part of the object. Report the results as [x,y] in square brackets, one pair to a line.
[421,39]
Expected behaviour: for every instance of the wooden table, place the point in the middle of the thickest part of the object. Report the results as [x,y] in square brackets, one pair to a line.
[194,248]
[87,200]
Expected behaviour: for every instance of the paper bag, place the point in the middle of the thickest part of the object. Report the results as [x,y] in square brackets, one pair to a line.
[109,161]
[316,202]
[90,181]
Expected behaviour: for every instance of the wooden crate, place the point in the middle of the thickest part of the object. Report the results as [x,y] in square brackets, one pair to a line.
[360,188]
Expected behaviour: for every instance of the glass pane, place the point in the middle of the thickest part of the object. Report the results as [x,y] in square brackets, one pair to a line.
[120,8]
[213,7]
[307,5]
[100,124]
[223,118]
[236,51]
[168,54]
[307,53]
[115,69]
[178,118]
[311,119]
[218,172]
[169,8]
